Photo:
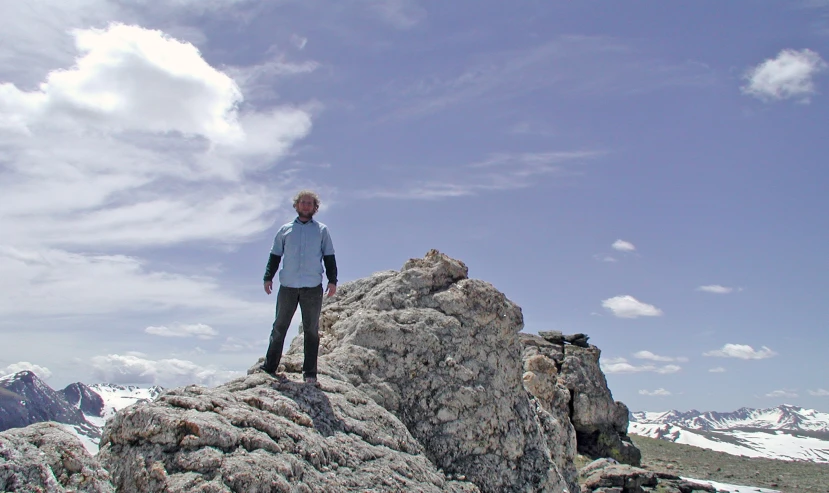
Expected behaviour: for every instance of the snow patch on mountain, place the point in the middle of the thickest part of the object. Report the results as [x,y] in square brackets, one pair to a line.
[785,432]
[117,397]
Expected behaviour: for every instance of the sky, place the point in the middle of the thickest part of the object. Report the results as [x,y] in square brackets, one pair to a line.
[651,174]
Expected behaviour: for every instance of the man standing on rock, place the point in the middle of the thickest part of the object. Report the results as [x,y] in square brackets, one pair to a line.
[303,246]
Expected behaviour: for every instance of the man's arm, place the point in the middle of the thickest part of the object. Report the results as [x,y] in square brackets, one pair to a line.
[329,261]
[270,271]
[331,273]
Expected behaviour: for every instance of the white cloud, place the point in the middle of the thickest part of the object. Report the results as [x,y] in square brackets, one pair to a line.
[741,351]
[654,357]
[234,344]
[621,365]
[132,78]
[715,288]
[787,76]
[668,369]
[201,331]
[623,246]
[41,371]
[126,369]
[819,393]
[629,307]
[658,392]
[718,369]
[783,393]
[89,285]
[139,143]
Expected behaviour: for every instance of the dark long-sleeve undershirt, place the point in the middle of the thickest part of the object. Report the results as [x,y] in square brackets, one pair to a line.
[273,266]
[329,261]
[330,264]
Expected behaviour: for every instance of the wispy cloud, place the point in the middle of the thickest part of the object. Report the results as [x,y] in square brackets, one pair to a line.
[783,393]
[621,365]
[499,171]
[819,393]
[741,351]
[623,246]
[234,345]
[647,355]
[584,65]
[788,76]
[201,331]
[629,307]
[658,392]
[718,369]
[41,371]
[401,14]
[715,288]
[84,283]
[132,369]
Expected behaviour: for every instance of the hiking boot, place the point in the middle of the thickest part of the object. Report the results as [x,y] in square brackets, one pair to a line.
[312,381]
[269,372]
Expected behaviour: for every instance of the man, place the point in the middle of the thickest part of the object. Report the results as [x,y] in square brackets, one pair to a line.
[302,246]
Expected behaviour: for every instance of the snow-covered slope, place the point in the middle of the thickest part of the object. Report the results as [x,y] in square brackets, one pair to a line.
[784,432]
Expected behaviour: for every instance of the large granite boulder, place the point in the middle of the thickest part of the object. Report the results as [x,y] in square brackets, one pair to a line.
[46,458]
[442,352]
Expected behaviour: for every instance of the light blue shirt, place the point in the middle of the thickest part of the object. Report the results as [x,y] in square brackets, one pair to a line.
[302,246]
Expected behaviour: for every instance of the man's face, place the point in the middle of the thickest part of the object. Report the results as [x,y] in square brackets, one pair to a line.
[305,206]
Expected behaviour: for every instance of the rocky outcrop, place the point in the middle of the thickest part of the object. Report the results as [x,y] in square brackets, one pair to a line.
[258,434]
[442,352]
[45,458]
[609,476]
[427,385]
[581,396]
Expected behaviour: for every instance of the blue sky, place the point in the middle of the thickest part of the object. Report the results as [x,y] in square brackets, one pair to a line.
[651,174]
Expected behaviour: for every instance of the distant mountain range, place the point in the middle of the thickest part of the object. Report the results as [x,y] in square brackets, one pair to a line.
[83,409]
[785,432]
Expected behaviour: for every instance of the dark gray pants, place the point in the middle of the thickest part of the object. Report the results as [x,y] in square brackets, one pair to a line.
[310,305]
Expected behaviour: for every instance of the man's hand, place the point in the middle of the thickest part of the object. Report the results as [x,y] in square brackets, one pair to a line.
[331,290]
[268,286]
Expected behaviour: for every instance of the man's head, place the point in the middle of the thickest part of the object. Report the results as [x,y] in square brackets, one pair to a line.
[306,203]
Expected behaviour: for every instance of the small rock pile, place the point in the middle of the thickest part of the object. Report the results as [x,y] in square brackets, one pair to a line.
[609,476]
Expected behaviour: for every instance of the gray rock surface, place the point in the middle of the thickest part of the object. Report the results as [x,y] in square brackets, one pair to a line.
[255,434]
[568,379]
[442,352]
[427,385]
[45,458]
[609,476]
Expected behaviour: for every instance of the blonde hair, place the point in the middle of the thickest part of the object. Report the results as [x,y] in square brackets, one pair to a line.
[307,193]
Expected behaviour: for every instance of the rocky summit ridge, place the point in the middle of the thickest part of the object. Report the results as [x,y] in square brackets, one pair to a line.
[426,384]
